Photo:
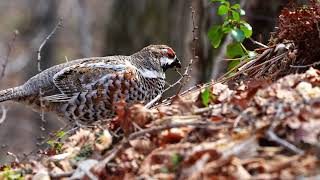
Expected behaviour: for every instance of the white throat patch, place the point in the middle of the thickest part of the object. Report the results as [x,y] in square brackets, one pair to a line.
[166,61]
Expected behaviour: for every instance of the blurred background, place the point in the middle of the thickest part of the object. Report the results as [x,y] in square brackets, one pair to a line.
[101,28]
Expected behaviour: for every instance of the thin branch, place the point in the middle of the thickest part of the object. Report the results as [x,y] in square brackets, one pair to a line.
[198,124]
[273,137]
[4,66]
[152,130]
[185,76]
[188,69]
[153,101]
[306,66]
[4,114]
[258,43]
[221,80]
[45,42]
[40,70]
[10,47]
[283,142]
[61,175]
[16,159]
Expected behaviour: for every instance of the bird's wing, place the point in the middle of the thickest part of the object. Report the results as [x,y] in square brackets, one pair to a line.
[82,77]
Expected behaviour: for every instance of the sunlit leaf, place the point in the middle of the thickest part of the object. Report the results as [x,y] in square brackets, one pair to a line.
[222,10]
[51,143]
[238,35]
[247,29]
[242,12]
[205,97]
[218,1]
[236,6]
[60,134]
[236,16]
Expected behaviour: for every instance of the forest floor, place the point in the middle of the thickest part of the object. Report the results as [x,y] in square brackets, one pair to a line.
[260,131]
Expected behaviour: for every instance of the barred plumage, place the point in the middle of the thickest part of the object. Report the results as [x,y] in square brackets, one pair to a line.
[87,89]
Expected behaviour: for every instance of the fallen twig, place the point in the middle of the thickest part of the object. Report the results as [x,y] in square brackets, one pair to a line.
[306,66]
[273,137]
[258,43]
[198,124]
[284,143]
[61,175]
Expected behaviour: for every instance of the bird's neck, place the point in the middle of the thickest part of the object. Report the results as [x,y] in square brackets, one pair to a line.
[147,65]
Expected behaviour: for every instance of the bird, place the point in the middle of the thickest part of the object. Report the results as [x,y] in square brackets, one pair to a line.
[87,90]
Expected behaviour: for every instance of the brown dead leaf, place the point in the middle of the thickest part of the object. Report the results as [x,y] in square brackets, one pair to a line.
[136,113]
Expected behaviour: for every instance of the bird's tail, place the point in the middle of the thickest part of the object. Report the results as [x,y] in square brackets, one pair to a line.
[11,94]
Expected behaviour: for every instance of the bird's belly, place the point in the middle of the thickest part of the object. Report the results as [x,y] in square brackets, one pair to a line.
[101,100]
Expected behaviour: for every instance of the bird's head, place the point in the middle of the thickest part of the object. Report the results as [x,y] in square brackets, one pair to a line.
[165,55]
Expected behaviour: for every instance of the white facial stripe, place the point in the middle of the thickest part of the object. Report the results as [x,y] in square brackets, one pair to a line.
[165,60]
[116,67]
[151,73]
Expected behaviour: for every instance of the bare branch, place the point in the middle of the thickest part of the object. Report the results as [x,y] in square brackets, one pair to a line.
[185,76]
[40,70]
[306,66]
[4,114]
[45,42]
[258,43]
[61,175]
[16,159]
[10,47]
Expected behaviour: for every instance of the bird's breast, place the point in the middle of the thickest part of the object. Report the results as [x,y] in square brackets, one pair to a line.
[101,97]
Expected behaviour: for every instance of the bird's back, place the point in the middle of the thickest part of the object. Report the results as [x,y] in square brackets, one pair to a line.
[43,81]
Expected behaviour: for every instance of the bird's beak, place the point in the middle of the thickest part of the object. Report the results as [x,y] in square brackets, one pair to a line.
[177,63]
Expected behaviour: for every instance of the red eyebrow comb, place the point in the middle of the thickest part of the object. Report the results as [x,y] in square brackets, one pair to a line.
[170,52]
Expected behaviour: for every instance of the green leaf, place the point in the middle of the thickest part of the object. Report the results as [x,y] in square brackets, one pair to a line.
[215,35]
[176,159]
[60,134]
[236,6]
[226,29]
[236,16]
[218,1]
[238,35]
[51,143]
[247,29]
[235,50]
[242,12]
[233,64]
[222,10]
[205,97]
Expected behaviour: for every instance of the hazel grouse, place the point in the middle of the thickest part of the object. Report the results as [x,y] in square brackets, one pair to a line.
[87,89]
